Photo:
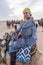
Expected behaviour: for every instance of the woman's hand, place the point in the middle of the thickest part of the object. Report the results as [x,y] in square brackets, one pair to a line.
[19,35]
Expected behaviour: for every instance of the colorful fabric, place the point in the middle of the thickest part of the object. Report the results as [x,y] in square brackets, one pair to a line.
[24,55]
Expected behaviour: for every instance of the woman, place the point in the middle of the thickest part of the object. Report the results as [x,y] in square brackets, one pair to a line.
[26,34]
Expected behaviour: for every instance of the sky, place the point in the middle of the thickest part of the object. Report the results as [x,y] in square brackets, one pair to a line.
[13,9]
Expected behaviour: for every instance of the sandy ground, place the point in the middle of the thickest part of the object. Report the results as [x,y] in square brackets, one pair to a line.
[37,59]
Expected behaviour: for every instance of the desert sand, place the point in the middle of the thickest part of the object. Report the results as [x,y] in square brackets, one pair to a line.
[37,59]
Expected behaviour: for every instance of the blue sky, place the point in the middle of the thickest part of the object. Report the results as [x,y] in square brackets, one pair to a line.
[12,9]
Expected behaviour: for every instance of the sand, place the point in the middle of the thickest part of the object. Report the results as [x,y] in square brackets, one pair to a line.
[37,59]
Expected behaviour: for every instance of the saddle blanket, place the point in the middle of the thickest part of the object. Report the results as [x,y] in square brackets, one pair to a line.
[23,55]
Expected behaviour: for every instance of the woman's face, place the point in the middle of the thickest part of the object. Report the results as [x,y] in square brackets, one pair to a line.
[27,15]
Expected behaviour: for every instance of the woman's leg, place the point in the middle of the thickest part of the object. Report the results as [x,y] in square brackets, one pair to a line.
[13,58]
